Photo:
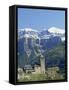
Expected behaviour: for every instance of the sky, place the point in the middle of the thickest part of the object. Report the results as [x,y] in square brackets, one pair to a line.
[40,19]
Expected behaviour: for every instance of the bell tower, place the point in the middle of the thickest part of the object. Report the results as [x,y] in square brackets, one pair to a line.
[42,63]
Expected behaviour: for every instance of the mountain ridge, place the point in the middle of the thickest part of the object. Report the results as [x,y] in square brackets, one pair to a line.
[45,34]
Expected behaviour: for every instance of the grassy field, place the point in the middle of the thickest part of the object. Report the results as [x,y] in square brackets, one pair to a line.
[39,77]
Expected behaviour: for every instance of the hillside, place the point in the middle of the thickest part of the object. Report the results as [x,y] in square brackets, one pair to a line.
[55,56]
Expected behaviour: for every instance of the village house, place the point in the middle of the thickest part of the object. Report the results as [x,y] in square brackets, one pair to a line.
[37,69]
[28,68]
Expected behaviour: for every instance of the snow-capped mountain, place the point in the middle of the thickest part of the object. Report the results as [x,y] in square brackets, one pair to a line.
[46,34]
[29,38]
[55,30]
[27,33]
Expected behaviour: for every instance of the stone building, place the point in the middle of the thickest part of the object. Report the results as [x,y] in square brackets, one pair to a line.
[42,64]
[28,68]
[37,69]
[20,73]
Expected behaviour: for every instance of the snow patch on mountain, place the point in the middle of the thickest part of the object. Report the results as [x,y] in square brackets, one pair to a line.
[31,36]
[46,34]
[28,33]
[28,30]
[63,39]
[55,30]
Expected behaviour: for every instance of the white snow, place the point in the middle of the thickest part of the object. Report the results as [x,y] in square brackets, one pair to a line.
[55,30]
[27,29]
[31,36]
[32,33]
[46,37]
[63,38]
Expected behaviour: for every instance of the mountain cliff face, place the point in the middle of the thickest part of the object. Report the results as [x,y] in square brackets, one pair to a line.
[46,39]
[48,42]
[44,34]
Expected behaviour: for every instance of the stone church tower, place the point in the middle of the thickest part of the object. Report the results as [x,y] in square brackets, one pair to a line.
[42,63]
